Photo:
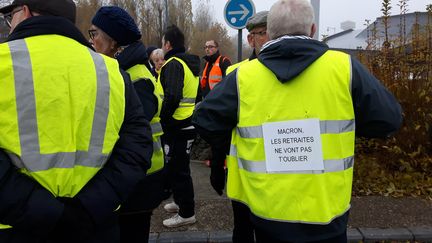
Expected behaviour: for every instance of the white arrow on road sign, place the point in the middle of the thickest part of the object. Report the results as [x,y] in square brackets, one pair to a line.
[237,13]
[245,12]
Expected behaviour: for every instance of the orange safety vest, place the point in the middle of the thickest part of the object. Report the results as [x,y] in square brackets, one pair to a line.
[214,76]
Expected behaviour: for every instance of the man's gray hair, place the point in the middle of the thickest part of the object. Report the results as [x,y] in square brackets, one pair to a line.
[290,17]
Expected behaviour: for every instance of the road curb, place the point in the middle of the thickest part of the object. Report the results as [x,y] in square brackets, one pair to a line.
[422,234]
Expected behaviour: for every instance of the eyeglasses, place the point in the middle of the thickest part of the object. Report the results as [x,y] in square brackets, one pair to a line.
[209,47]
[8,16]
[92,33]
[260,33]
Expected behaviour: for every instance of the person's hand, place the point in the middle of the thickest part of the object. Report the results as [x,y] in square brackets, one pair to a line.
[74,219]
[217,178]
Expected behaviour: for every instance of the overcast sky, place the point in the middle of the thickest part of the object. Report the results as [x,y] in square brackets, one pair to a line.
[332,12]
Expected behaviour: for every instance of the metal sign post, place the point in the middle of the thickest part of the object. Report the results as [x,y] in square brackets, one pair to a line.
[237,13]
[239,45]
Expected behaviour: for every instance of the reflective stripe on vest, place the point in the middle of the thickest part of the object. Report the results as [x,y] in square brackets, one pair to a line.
[326,127]
[313,196]
[67,119]
[214,76]
[138,72]
[156,127]
[260,166]
[190,90]
[29,140]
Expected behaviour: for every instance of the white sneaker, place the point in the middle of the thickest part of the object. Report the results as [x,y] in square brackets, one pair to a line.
[177,220]
[171,207]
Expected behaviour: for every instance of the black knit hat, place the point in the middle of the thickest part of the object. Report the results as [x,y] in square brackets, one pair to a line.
[118,24]
[62,8]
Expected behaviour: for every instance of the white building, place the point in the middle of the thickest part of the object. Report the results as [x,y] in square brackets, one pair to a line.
[351,39]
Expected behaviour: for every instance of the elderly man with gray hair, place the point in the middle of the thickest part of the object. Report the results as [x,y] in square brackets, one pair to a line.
[257,37]
[293,114]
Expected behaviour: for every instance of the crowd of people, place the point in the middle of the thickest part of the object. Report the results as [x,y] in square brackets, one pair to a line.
[96,132]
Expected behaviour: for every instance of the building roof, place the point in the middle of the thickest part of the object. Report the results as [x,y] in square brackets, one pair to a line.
[394,24]
[346,40]
[356,39]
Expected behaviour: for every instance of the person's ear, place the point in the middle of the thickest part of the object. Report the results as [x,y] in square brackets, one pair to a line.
[27,12]
[250,40]
[313,30]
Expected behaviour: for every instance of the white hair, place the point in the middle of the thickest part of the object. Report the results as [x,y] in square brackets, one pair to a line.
[157,53]
[290,17]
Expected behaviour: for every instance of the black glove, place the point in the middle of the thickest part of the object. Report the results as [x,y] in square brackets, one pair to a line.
[217,177]
[75,223]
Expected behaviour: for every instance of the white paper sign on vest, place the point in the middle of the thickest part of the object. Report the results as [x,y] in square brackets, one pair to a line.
[293,146]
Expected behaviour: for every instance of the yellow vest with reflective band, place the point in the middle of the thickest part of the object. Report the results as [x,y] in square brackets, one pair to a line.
[60,119]
[234,66]
[322,91]
[190,90]
[136,73]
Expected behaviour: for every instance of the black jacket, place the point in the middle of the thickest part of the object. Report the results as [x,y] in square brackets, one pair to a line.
[377,114]
[172,80]
[224,64]
[28,207]
[148,194]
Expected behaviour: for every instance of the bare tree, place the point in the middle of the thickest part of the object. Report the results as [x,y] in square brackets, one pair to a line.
[86,9]
[386,7]
[180,14]
[151,19]
[205,28]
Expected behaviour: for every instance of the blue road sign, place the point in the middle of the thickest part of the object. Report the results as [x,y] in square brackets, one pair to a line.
[237,12]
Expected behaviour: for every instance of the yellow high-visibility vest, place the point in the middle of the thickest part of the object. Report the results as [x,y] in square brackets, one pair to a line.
[321,92]
[190,90]
[61,109]
[136,73]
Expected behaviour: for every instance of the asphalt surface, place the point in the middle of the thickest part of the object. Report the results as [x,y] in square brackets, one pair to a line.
[372,218]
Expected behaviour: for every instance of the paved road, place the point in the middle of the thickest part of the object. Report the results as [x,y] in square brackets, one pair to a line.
[214,213]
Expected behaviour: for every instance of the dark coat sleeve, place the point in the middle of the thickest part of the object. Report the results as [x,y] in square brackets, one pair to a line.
[377,112]
[216,115]
[126,166]
[24,204]
[172,80]
[145,91]
[226,62]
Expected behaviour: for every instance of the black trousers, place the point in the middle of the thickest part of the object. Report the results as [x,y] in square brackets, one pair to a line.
[110,234]
[177,146]
[135,228]
[243,228]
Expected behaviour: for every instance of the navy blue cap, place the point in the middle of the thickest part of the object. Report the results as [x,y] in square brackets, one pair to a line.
[118,24]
